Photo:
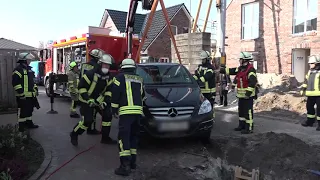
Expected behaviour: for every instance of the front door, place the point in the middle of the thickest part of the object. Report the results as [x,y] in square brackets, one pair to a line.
[299,63]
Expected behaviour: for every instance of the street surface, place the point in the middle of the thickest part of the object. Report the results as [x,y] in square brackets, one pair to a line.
[100,162]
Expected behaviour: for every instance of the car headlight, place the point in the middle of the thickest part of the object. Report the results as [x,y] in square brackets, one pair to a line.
[205,107]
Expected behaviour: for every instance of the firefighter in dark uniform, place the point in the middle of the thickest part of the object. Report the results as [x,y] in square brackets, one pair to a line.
[94,94]
[73,81]
[95,55]
[311,89]
[127,103]
[246,80]
[26,91]
[205,76]
[224,87]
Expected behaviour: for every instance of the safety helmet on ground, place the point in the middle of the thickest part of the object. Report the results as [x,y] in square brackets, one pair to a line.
[106,58]
[246,56]
[128,63]
[314,59]
[25,56]
[204,55]
[96,53]
[72,65]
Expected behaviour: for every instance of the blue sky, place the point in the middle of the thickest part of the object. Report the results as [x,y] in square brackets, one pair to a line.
[31,21]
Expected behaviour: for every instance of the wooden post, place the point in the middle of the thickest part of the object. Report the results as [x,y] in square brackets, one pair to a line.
[146,29]
[208,13]
[197,17]
[165,14]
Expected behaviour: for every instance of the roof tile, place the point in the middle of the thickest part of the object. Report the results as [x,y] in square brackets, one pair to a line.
[120,18]
[12,45]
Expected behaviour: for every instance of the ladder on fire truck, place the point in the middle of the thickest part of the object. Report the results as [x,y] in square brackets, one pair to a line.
[146,5]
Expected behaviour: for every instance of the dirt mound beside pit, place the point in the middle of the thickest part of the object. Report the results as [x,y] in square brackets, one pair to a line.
[284,104]
[278,156]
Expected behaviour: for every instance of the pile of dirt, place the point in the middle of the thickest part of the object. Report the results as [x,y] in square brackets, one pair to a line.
[281,82]
[211,169]
[291,105]
[278,156]
[278,96]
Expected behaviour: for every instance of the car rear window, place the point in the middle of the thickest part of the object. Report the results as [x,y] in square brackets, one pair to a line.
[164,74]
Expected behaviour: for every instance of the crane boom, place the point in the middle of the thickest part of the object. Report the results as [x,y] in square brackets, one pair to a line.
[146,5]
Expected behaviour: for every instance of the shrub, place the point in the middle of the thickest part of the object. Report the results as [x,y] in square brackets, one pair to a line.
[12,141]
[5,176]
[12,160]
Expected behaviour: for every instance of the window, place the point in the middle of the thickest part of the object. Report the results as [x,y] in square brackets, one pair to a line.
[174,29]
[250,21]
[164,74]
[305,14]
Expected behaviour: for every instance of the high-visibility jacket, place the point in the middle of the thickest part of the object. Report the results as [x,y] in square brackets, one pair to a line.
[127,94]
[206,75]
[73,81]
[94,85]
[246,80]
[89,66]
[311,84]
[23,81]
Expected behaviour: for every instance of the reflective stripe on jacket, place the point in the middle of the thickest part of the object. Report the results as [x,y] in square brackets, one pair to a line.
[127,94]
[206,76]
[23,82]
[312,85]
[95,86]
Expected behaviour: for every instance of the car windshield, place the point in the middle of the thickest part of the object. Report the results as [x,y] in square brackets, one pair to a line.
[164,74]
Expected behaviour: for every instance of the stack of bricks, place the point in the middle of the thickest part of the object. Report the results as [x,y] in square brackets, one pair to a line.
[190,54]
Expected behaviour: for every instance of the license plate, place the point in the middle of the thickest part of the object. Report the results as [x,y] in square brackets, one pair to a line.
[173,126]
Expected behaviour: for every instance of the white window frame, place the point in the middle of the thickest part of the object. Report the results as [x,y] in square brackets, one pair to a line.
[252,24]
[176,29]
[305,16]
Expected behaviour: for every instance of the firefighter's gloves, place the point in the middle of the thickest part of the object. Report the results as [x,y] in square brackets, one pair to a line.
[303,92]
[92,103]
[115,116]
[103,105]
[248,94]
[74,94]
[223,70]
[22,98]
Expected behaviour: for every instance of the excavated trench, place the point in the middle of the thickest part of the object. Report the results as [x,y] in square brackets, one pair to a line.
[277,156]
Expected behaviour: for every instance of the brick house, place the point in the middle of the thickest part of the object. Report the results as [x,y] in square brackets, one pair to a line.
[280,34]
[157,43]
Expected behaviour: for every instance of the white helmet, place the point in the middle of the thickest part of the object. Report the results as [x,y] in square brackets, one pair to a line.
[97,53]
[313,59]
[106,58]
[25,56]
[246,56]
[204,55]
[128,63]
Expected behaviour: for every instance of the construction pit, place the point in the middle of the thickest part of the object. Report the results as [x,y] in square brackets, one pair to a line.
[275,156]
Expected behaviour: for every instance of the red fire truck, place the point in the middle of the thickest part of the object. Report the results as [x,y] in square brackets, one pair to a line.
[76,48]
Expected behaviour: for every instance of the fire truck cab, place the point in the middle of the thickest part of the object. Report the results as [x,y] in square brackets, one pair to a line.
[77,48]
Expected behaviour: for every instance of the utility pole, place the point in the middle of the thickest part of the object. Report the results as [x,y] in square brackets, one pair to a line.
[221,5]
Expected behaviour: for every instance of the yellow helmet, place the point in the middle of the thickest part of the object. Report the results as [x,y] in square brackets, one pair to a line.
[72,64]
